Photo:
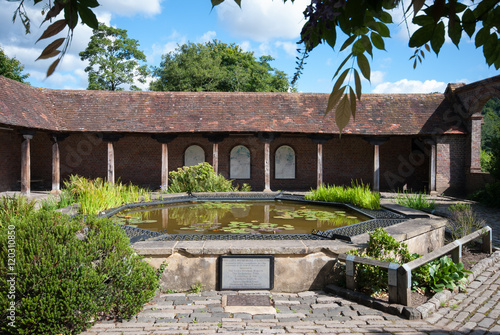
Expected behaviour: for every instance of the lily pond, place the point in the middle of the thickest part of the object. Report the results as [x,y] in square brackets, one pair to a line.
[257,217]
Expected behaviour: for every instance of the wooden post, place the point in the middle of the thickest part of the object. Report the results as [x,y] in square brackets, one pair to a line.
[111,163]
[267,167]
[319,175]
[56,171]
[215,158]
[456,254]
[392,276]
[404,285]
[350,281]
[26,165]
[432,168]
[164,166]
[376,168]
[487,240]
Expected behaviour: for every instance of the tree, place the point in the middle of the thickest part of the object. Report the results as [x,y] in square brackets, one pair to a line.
[12,68]
[491,127]
[364,22]
[113,60]
[217,66]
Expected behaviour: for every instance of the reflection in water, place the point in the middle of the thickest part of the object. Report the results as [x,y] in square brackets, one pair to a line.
[258,217]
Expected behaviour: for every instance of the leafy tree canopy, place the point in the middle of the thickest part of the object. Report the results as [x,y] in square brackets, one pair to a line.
[217,66]
[12,68]
[491,126]
[355,25]
[113,60]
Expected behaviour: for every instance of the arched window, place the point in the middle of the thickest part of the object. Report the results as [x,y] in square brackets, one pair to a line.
[284,163]
[194,155]
[239,163]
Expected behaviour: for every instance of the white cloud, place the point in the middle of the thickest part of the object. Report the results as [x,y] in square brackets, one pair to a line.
[410,86]
[245,46]
[263,20]
[131,7]
[207,37]
[377,77]
[289,47]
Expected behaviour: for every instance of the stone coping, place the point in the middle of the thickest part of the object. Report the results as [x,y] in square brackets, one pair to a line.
[401,231]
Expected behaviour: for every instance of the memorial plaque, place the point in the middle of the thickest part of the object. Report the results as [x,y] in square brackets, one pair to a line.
[246,272]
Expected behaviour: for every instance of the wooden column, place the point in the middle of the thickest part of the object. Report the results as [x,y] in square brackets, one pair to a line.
[164,140]
[319,170]
[267,138]
[215,157]
[376,142]
[215,139]
[320,139]
[111,163]
[164,166]
[26,164]
[56,162]
[110,138]
[56,171]
[267,167]
[376,168]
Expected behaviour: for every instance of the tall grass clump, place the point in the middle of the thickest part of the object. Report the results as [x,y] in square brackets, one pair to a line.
[200,178]
[97,195]
[357,194]
[463,221]
[417,201]
[62,274]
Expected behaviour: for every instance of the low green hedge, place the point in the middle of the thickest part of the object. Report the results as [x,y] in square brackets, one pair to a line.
[68,273]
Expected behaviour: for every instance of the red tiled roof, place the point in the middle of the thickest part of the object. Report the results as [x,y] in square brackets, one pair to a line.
[181,112]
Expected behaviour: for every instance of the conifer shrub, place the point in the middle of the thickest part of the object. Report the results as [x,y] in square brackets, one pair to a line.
[63,274]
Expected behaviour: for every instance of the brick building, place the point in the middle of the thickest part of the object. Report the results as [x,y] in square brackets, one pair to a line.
[278,141]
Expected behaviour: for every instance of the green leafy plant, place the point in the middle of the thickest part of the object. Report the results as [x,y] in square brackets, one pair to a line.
[197,288]
[357,194]
[384,247]
[446,274]
[417,201]
[69,272]
[463,221]
[200,178]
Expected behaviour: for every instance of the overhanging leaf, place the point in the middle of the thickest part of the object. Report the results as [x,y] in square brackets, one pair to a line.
[49,50]
[437,39]
[357,83]
[377,41]
[421,35]
[348,42]
[469,22]
[364,66]
[352,100]
[88,17]
[216,3]
[52,67]
[54,29]
[343,113]
[417,6]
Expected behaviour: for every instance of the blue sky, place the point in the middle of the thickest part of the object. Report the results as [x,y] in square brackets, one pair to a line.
[265,27]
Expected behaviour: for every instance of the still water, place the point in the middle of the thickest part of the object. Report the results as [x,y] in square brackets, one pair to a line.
[239,217]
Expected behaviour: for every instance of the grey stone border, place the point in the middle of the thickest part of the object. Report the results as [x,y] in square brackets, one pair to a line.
[414,313]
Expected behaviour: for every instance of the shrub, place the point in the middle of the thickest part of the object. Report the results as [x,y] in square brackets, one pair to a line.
[417,201]
[463,221]
[358,194]
[200,178]
[384,247]
[68,273]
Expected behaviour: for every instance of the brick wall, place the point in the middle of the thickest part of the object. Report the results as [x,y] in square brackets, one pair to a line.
[10,162]
[451,164]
